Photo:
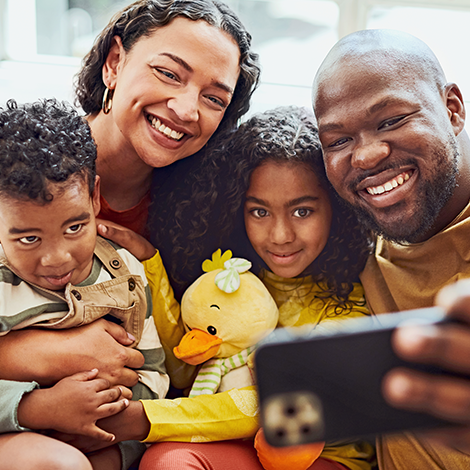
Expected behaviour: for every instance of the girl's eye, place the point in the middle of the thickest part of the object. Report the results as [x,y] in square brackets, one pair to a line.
[74,228]
[259,213]
[29,240]
[302,213]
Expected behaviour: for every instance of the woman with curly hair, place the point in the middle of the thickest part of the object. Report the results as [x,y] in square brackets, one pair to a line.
[309,251]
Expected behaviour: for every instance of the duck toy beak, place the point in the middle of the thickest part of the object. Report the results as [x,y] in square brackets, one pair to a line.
[197,346]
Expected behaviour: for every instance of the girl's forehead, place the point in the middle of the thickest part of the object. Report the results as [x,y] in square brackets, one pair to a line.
[285,182]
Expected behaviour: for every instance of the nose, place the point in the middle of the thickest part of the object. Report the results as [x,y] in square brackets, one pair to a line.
[185,105]
[56,256]
[282,232]
[369,154]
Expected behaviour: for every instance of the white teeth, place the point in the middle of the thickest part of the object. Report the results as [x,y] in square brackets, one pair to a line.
[158,125]
[389,185]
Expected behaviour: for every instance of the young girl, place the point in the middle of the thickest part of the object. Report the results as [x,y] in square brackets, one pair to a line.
[309,251]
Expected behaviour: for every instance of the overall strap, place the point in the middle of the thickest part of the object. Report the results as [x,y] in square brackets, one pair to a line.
[110,258]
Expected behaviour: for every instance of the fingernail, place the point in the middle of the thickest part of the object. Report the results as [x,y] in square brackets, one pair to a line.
[126,401]
[103,228]
[94,370]
[399,388]
[411,338]
[131,336]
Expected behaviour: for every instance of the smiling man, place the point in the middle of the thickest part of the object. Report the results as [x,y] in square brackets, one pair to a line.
[395,149]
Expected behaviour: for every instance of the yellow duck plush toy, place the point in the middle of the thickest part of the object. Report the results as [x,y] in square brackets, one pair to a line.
[227,311]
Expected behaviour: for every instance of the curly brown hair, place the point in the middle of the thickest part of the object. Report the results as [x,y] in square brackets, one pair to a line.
[204,211]
[141,19]
[289,134]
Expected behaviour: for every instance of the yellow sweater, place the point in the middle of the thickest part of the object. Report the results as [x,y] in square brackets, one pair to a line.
[232,414]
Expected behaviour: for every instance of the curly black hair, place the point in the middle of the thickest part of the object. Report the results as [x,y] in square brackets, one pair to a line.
[289,134]
[198,206]
[141,19]
[41,143]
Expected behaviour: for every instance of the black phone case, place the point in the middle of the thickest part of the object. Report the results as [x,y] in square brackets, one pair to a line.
[329,387]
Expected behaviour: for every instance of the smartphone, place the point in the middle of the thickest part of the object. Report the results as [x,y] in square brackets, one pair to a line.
[326,385]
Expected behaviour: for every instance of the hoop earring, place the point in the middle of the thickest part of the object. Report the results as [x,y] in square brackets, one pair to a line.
[107,100]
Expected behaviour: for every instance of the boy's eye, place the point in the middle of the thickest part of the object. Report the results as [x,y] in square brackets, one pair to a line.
[74,228]
[302,213]
[259,213]
[29,240]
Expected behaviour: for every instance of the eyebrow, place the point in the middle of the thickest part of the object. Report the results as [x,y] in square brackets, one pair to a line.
[18,231]
[294,202]
[383,104]
[187,67]
[333,126]
[83,216]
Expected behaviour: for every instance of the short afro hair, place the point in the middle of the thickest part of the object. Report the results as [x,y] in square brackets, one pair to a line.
[41,143]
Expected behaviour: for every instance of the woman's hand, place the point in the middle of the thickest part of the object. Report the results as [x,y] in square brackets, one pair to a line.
[141,248]
[447,346]
[48,356]
[73,405]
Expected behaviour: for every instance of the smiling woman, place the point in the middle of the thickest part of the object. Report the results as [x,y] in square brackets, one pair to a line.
[162,81]
[169,94]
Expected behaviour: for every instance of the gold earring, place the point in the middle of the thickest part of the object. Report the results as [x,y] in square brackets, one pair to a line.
[107,100]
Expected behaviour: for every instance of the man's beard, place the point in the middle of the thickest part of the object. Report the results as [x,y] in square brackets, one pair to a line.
[432,196]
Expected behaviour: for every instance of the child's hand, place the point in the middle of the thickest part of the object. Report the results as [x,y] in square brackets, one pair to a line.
[141,248]
[73,406]
[124,391]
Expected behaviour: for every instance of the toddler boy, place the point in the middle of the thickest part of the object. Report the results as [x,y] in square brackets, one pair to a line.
[56,273]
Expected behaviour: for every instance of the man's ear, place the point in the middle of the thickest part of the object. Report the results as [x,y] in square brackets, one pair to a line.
[95,196]
[455,107]
[113,63]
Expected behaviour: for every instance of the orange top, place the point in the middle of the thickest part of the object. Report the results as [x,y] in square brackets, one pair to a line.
[134,218]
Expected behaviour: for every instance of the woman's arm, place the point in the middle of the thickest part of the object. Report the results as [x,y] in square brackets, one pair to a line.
[47,356]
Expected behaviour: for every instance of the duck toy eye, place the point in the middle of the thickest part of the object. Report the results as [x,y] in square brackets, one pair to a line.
[211,330]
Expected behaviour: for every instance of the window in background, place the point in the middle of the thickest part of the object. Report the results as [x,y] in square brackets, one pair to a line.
[43,41]
[445,31]
[292,37]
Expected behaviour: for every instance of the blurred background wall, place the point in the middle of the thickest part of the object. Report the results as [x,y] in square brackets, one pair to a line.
[42,42]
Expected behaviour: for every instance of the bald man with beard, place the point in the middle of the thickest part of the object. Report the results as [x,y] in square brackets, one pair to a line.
[395,149]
